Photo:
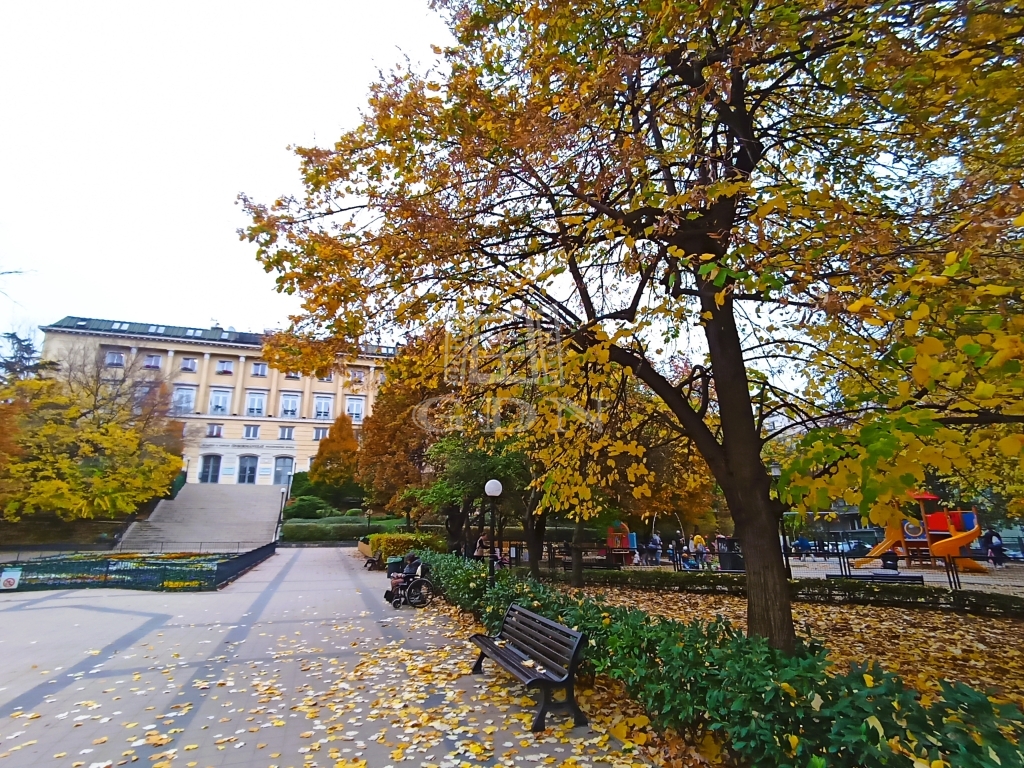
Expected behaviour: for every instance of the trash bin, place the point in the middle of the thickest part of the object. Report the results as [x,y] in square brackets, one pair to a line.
[731,561]
[394,565]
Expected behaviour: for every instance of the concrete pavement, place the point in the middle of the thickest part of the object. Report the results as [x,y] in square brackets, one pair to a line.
[298,663]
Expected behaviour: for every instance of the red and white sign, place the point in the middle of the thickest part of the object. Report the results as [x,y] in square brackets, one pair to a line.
[10,579]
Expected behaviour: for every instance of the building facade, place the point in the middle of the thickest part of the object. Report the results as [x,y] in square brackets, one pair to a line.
[245,422]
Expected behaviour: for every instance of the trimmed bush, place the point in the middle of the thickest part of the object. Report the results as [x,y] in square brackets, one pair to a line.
[320,530]
[394,544]
[765,707]
[308,508]
[354,513]
[831,591]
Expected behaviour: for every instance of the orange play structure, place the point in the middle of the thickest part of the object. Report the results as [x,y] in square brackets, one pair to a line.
[945,534]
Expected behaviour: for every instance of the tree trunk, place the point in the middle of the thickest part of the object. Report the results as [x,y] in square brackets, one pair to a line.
[577,555]
[769,606]
[734,457]
[455,525]
[534,526]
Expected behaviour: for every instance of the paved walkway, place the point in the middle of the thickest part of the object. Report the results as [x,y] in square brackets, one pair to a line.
[298,663]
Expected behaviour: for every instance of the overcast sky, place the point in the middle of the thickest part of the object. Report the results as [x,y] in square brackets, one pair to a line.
[128,129]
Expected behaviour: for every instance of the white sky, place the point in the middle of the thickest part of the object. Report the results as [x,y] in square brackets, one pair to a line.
[128,129]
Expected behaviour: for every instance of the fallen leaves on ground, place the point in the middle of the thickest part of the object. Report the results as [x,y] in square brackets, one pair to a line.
[923,646]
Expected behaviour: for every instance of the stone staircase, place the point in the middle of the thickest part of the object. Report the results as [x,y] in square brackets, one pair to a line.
[208,517]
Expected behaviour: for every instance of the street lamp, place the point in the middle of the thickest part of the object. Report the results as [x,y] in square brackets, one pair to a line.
[280,512]
[776,470]
[493,489]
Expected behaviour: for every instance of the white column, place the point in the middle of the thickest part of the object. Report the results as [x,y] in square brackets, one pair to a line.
[236,398]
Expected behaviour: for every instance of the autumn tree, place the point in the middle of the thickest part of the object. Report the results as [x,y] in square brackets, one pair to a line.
[826,196]
[337,455]
[396,437]
[91,441]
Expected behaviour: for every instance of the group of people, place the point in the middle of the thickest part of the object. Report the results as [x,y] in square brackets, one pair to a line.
[691,554]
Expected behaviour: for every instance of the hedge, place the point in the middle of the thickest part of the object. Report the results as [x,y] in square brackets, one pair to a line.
[320,530]
[765,707]
[394,544]
[829,591]
[557,535]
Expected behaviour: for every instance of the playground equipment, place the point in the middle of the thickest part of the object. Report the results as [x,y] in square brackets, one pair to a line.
[940,535]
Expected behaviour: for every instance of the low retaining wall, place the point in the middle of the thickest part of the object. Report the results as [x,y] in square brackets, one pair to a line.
[148,572]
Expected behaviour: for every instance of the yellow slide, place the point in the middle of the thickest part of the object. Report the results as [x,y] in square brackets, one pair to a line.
[893,540]
[951,548]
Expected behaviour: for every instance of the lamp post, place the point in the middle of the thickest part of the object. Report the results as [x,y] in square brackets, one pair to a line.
[280,512]
[776,469]
[493,489]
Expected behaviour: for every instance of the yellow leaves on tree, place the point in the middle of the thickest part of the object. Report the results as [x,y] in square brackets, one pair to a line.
[392,456]
[337,455]
[90,442]
[785,183]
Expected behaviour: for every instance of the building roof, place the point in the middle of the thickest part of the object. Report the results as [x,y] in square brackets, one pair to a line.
[216,335]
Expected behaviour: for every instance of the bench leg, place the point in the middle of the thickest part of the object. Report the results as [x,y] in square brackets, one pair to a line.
[538,721]
[479,666]
[578,718]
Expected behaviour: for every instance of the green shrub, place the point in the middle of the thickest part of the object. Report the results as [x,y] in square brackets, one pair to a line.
[320,530]
[393,544]
[354,513]
[830,591]
[766,707]
[308,508]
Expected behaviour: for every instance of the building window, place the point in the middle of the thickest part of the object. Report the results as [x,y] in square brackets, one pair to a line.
[115,359]
[291,375]
[289,406]
[354,408]
[189,364]
[323,408]
[152,362]
[119,326]
[381,378]
[214,430]
[328,377]
[225,367]
[255,404]
[184,400]
[259,369]
[320,433]
[286,433]
[311,458]
[252,431]
[220,400]
[357,375]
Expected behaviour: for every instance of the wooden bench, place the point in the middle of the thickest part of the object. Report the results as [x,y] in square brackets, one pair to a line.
[540,653]
[593,565]
[887,578]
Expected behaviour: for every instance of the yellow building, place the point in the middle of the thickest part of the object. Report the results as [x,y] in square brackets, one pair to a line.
[245,422]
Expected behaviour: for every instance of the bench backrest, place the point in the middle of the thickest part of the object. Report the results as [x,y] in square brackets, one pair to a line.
[549,643]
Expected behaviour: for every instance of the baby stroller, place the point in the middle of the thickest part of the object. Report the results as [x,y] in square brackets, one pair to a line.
[416,590]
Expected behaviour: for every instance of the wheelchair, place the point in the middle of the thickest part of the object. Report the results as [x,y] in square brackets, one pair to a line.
[418,591]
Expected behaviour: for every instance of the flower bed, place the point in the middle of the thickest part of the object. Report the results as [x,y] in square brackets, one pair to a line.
[766,708]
